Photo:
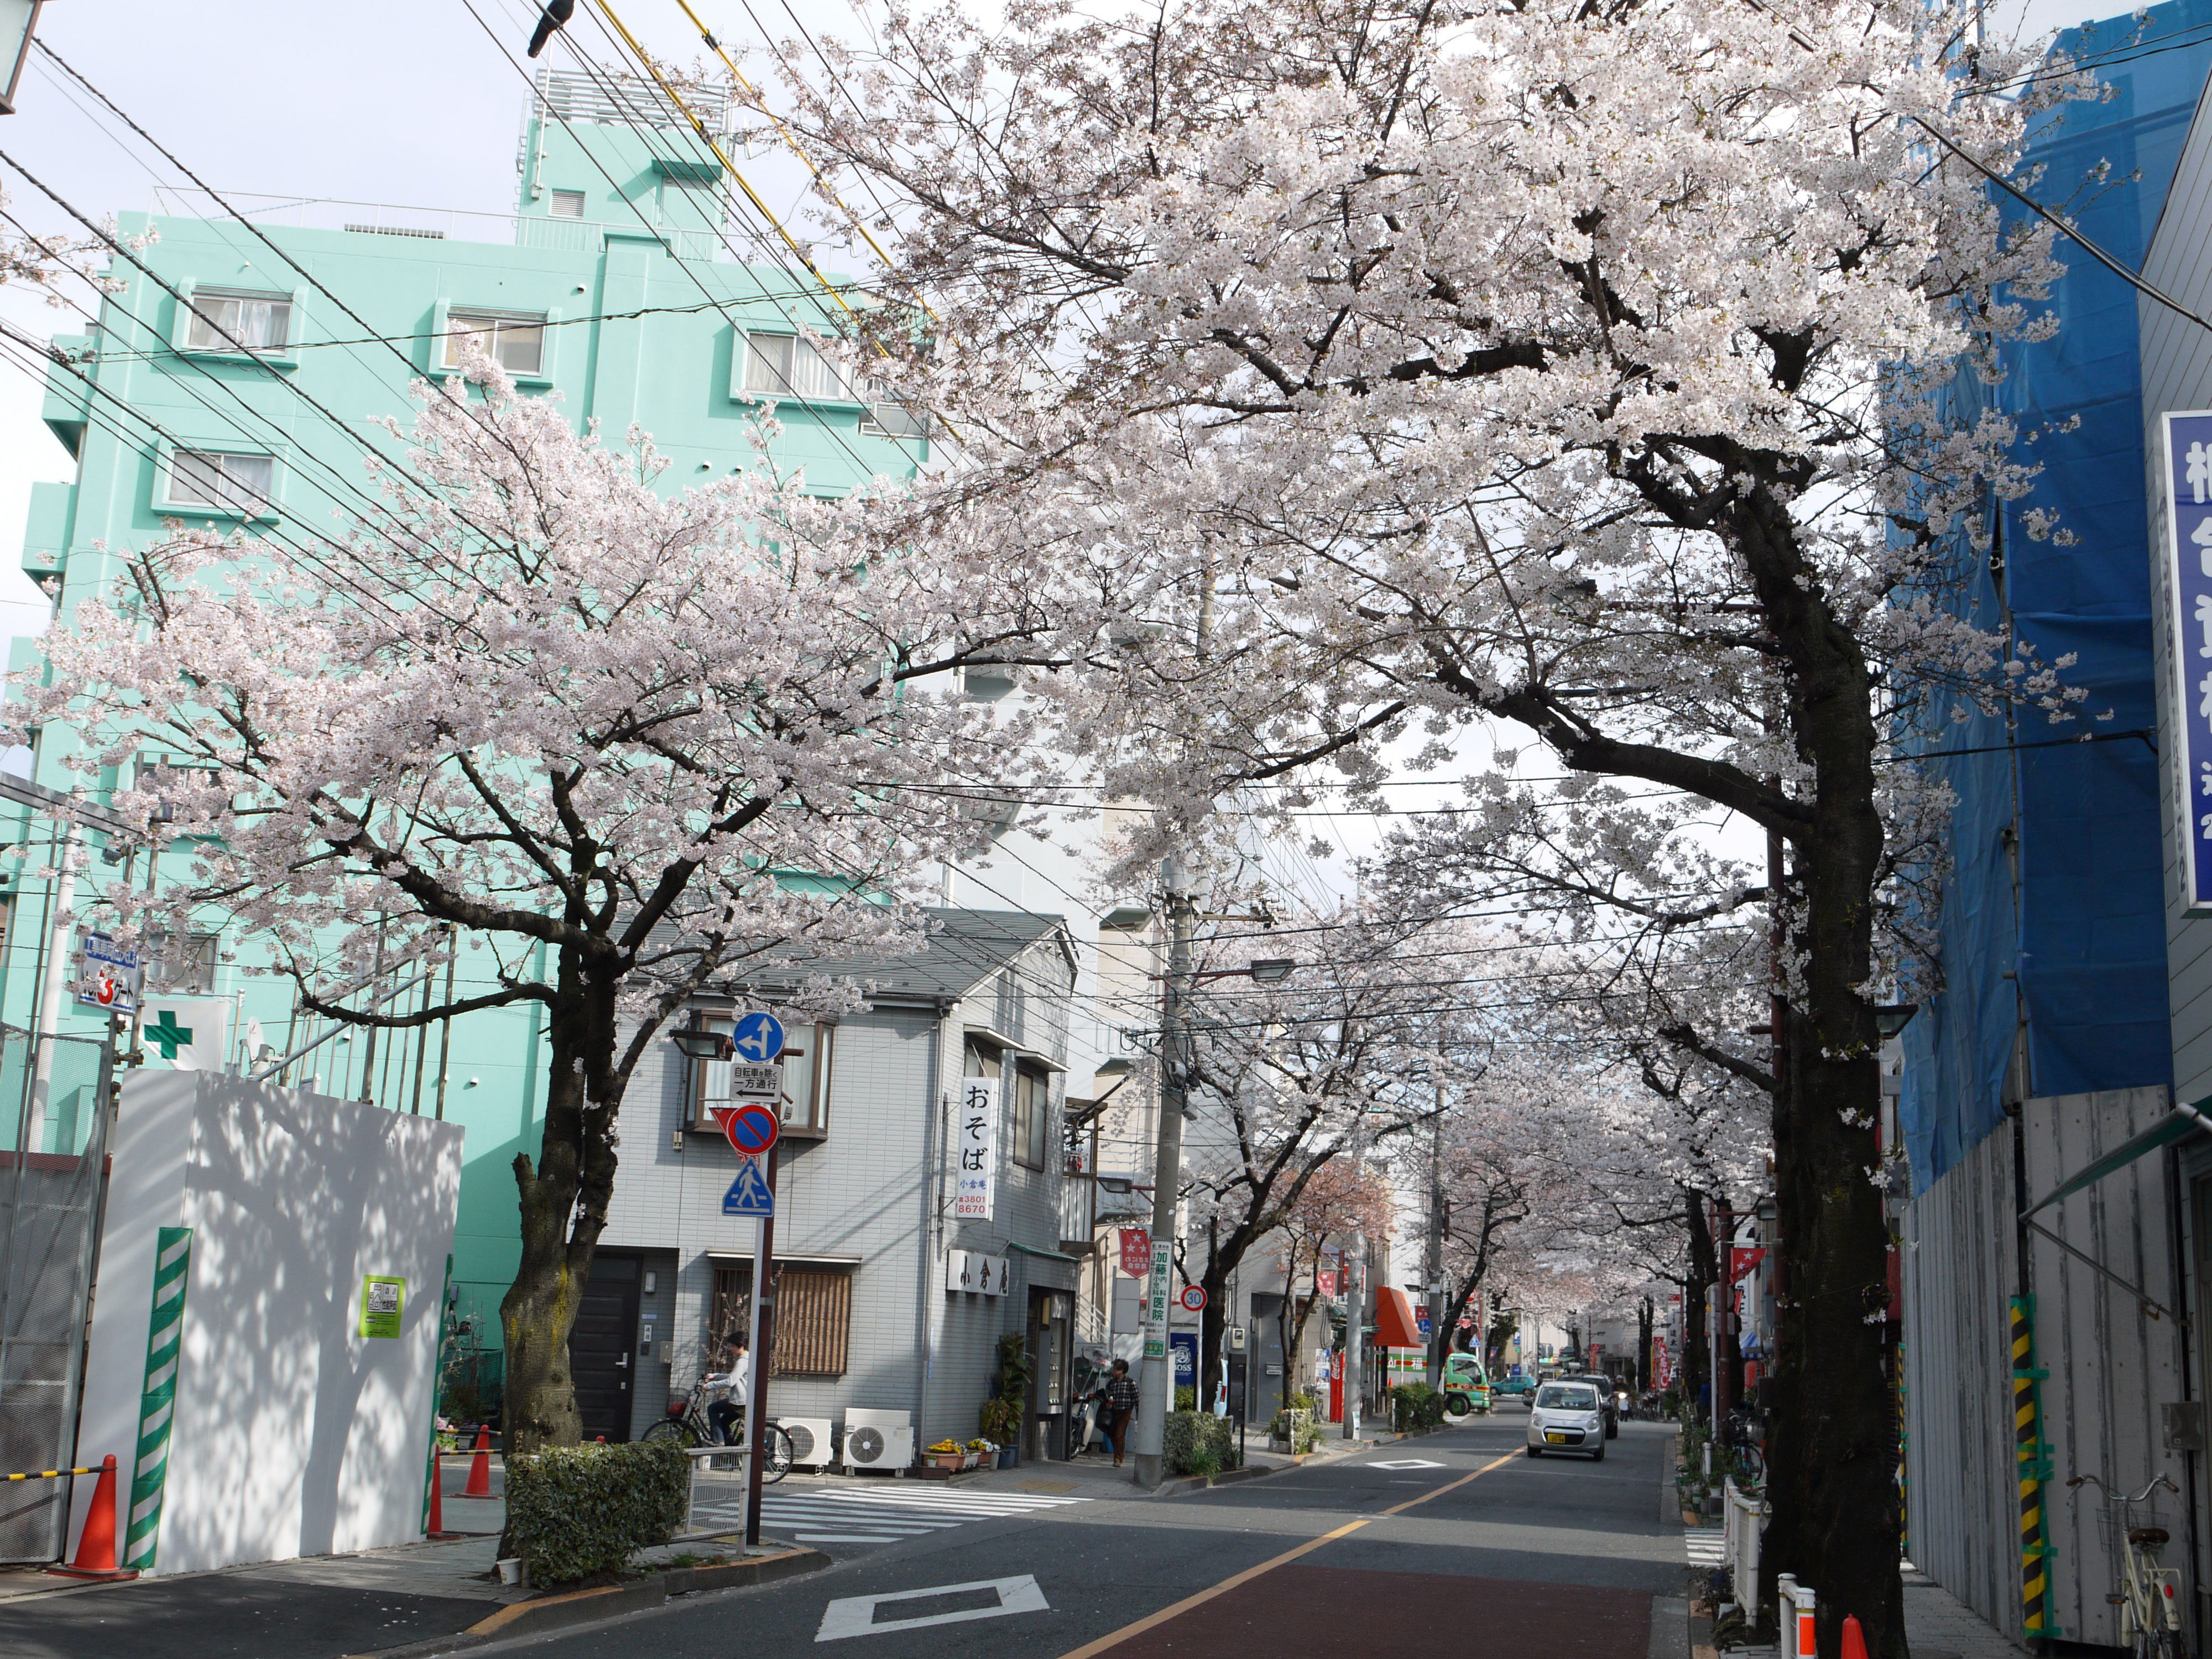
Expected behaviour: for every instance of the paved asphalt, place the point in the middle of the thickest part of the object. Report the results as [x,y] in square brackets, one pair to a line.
[1475,1550]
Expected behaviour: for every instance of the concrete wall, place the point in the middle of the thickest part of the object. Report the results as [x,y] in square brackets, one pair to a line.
[293,1434]
[2113,1366]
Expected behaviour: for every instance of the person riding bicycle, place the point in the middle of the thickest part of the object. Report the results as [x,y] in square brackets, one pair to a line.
[726,1414]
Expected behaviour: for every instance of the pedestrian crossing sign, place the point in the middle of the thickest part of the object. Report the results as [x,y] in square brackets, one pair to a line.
[748,1194]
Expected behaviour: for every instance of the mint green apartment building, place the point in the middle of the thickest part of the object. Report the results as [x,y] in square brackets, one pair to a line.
[237,387]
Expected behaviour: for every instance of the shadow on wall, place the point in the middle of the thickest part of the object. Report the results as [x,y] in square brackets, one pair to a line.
[297,1433]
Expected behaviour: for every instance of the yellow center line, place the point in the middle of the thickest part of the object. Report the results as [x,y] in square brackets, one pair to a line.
[1153,1621]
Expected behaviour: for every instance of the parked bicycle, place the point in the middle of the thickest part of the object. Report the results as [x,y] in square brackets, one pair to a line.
[2150,1596]
[1743,1435]
[688,1425]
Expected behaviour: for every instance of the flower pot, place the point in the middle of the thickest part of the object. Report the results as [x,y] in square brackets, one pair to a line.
[948,1460]
[1009,1456]
[510,1570]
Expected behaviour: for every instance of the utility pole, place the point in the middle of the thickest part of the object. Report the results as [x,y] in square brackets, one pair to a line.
[54,976]
[1156,1388]
[1436,1263]
[1355,1310]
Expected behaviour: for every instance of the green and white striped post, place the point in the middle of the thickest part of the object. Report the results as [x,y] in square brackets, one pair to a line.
[157,1402]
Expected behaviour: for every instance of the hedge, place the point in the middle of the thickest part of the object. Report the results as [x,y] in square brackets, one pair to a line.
[1415,1406]
[1198,1443]
[575,1510]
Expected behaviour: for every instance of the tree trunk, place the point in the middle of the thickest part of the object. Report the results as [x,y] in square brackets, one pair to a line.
[1695,1367]
[1832,1454]
[563,1205]
[1643,1312]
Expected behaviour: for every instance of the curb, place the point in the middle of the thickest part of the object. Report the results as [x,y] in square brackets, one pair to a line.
[1184,1486]
[545,1615]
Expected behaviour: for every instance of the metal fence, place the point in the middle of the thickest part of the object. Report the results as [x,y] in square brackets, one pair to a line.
[52,1180]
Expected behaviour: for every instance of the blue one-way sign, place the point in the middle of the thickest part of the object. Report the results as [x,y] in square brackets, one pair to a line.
[748,1194]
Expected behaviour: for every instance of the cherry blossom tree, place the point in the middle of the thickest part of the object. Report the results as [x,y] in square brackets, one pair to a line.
[541,703]
[1339,1199]
[1577,371]
[1288,1080]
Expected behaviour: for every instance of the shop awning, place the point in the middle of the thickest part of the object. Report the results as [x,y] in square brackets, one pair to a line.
[784,1259]
[2178,1124]
[1393,1320]
[999,1039]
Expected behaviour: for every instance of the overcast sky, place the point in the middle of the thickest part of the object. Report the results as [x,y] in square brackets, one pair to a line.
[408,102]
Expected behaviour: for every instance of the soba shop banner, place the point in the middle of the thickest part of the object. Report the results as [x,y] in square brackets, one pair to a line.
[976,1141]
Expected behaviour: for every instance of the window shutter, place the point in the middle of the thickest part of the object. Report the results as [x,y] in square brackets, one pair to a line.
[813,1313]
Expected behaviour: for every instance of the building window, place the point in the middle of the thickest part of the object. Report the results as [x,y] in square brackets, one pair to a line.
[806,1081]
[183,963]
[223,321]
[813,1317]
[568,204]
[813,1313]
[887,417]
[514,341]
[785,366]
[807,1051]
[243,484]
[1031,1113]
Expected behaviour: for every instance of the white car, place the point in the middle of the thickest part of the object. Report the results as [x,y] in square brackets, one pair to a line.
[1567,1417]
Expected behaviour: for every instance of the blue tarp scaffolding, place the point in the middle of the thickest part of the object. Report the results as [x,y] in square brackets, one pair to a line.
[2088,945]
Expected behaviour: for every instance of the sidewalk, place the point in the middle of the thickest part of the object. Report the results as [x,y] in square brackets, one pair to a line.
[1937,1625]
[439,1596]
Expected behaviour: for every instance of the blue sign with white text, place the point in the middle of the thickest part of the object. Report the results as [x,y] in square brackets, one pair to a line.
[2189,595]
[758,1037]
[748,1194]
[1184,1347]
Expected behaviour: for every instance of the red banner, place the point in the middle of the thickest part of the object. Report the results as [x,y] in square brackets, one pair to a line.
[1743,1258]
[1660,1374]
[1325,1282]
[1137,1251]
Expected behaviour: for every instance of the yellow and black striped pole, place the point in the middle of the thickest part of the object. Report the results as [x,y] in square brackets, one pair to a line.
[2032,1470]
[47,1474]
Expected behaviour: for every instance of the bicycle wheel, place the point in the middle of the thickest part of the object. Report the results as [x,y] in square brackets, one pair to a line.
[669,1428]
[776,1454]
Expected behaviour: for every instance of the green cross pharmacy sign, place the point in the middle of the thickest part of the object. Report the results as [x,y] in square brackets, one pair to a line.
[168,1035]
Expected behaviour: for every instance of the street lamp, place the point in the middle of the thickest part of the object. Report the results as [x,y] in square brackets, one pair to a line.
[1272,970]
[1891,1017]
[696,1040]
[18,19]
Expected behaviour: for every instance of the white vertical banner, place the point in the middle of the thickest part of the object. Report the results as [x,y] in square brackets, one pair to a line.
[978,1112]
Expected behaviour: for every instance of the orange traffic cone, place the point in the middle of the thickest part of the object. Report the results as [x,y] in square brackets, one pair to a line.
[1854,1640]
[480,1466]
[96,1545]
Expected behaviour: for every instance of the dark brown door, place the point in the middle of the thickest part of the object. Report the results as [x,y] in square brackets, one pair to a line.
[602,1347]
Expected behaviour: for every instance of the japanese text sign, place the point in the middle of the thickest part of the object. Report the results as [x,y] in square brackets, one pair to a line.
[2188,467]
[976,1115]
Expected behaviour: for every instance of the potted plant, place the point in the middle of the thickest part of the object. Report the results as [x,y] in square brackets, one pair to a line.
[978,1450]
[948,1454]
[1003,1412]
[1002,1426]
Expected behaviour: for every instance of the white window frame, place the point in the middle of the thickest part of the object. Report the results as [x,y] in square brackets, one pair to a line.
[168,503]
[837,390]
[442,331]
[286,356]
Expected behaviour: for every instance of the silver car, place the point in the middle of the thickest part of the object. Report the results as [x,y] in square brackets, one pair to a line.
[1567,1417]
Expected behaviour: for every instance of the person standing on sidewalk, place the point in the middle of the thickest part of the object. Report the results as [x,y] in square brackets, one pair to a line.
[1121,1407]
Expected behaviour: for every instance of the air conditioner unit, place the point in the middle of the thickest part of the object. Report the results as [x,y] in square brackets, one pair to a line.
[813,1441]
[879,1440]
